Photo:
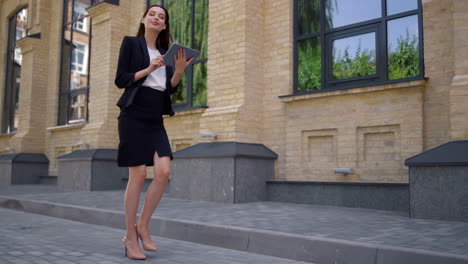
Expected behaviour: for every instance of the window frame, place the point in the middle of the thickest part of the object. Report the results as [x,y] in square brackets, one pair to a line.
[85,53]
[327,84]
[188,105]
[64,116]
[11,86]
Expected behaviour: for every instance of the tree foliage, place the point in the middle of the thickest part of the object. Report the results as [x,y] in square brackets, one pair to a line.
[404,61]
[309,68]
[362,64]
[180,13]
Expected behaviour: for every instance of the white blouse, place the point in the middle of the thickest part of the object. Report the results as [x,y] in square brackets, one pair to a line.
[156,79]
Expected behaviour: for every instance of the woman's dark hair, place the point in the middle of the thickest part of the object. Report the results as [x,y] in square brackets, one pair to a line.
[164,38]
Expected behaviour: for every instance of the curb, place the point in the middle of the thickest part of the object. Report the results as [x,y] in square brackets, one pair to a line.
[278,244]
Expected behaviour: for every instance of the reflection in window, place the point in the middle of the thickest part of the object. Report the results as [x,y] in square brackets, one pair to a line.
[308,16]
[356,44]
[354,56]
[79,58]
[189,27]
[309,75]
[347,12]
[17,29]
[403,51]
[74,84]
[79,11]
[78,109]
[398,6]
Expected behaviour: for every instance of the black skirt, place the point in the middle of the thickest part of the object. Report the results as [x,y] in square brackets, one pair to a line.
[141,130]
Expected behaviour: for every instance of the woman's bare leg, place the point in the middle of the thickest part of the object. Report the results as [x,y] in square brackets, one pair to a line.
[137,176]
[162,170]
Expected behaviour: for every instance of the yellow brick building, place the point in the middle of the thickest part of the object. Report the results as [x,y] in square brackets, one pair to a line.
[253,94]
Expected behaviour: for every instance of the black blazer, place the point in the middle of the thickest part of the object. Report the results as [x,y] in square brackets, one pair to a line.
[134,57]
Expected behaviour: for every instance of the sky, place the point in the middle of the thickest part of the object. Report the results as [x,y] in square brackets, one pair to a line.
[348,12]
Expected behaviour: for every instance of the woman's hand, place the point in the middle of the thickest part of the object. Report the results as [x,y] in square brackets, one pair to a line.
[156,62]
[181,61]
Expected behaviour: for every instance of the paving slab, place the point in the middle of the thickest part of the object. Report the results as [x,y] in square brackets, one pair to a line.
[32,238]
[260,227]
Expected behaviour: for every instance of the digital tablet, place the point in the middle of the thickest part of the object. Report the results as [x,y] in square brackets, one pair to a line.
[189,53]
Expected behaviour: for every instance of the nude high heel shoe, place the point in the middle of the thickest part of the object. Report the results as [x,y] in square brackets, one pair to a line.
[131,256]
[146,246]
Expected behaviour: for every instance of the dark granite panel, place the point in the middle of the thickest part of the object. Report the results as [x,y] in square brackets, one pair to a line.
[90,170]
[74,175]
[5,172]
[23,168]
[222,180]
[251,175]
[228,172]
[439,192]
[373,196]
[29,173]
[106,175]
[203,179]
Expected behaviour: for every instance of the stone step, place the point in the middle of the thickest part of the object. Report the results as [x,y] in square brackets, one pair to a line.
[313,249]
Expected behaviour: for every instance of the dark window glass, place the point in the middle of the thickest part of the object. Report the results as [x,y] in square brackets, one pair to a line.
[74,83]
[308,16]
[199,84]
[398,6]
[180,17]
[354,56]
[347,12]
[189,27]
[17,29]
[310,66]
[403,47]
[354,45]
[200,72]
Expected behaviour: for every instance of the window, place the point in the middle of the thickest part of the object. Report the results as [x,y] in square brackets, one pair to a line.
[79,53]
[74,81]
[341,44]
[17,29]
[189,27]
[78,13]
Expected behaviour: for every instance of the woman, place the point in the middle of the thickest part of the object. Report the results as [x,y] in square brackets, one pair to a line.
[148,85]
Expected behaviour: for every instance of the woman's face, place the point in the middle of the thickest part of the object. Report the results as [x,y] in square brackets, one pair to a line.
[155,19]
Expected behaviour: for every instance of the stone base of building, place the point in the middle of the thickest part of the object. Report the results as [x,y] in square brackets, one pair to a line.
[227,172]
[23,168]
[91,170]
[371,195]
[439,182]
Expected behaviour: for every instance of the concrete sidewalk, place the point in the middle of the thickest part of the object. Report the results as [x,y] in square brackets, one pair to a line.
[32,238]
[317,234]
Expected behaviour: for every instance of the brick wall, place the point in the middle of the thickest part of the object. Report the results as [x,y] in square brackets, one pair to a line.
[250,64]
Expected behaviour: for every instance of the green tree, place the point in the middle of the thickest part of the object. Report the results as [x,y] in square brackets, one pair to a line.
[179,18]
[309,66]
[362,64]
[404,61]
[180,14]
[200,73]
